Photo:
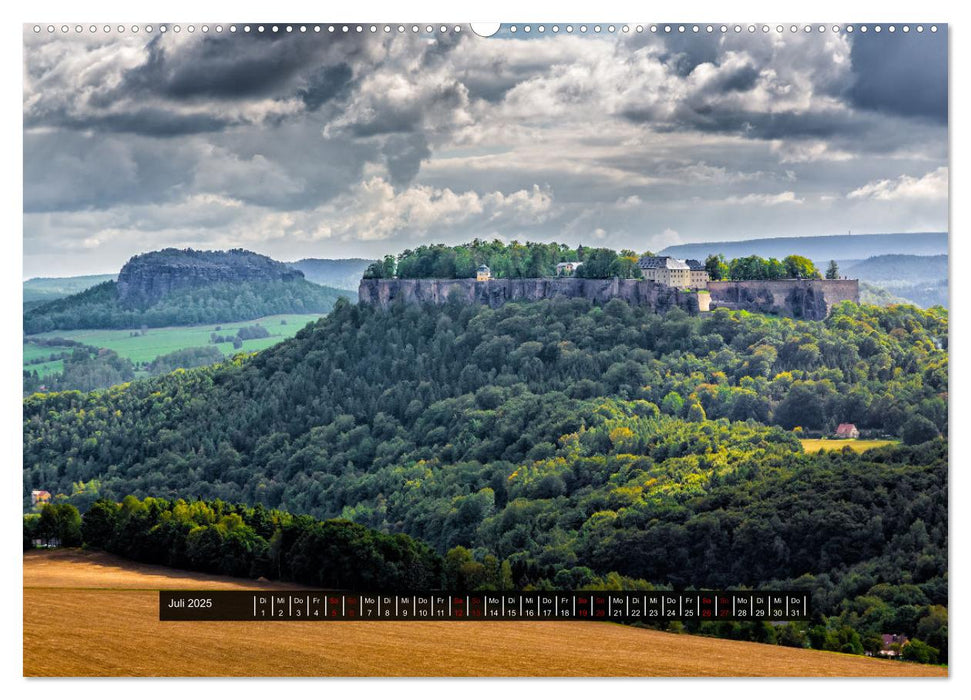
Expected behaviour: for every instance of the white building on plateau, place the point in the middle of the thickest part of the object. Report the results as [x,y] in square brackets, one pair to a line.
[665,270]
[699,274]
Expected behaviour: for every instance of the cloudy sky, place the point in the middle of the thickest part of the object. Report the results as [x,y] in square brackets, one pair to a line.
[340,145]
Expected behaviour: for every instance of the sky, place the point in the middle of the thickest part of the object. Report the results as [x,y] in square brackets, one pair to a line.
[330,145]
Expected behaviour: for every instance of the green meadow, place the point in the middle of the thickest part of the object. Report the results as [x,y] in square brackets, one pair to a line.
[144,346]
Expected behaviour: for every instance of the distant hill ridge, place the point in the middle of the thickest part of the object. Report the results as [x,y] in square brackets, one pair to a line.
[900,267]
[149,277]
[41,289]
[342,273]
[174,287]
[818,248]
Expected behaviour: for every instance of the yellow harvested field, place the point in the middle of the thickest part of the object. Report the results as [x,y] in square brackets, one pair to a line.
[811,445]
[91,614]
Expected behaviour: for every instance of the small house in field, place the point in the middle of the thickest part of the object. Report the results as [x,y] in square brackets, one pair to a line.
[39,498]
[893,644]
[847,431]
[483,273]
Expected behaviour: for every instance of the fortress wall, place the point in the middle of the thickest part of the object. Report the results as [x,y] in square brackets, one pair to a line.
[496,292]
[807,299]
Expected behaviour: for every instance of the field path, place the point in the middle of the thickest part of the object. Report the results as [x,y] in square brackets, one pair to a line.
[92,614]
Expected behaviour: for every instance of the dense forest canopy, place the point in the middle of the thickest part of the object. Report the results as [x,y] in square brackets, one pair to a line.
[526,260]
[566,441]
[505,260]
[753,267]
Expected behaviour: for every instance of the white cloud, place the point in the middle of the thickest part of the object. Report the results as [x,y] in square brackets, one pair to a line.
[933,185]
[808,151]
[632,202]
[667,237]
[765,200]
[374,211]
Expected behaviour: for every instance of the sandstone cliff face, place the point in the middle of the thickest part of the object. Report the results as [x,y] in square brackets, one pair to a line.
[496,292]
[804,299]
[147,278]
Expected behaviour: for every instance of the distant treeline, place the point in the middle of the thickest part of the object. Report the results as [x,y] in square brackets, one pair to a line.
[86,368]
[186,358]
[754,267]
[245,333]
[100,307]
[234,540]
[525,260]
[512,260]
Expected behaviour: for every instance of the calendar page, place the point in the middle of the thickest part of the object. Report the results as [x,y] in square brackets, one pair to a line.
[519,349]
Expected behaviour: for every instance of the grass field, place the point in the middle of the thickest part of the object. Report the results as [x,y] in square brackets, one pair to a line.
[160,341]
[811,445]
[33,352]
[91,614]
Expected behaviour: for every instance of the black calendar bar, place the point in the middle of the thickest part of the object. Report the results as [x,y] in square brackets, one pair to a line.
[621,606]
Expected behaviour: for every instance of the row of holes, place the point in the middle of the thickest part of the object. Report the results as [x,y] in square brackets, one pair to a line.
[667,29]
[569,28]
[259,28]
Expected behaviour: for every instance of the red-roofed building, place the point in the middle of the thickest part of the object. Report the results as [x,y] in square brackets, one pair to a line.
[893,644]
[39,498]
[847,431]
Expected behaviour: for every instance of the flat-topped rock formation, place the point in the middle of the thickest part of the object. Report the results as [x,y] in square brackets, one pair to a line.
[496,292]
[804,299]
[147,278]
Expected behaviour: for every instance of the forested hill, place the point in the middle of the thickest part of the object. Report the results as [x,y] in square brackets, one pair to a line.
[181,287]
[818,248]
[149,277]
[564,441]
[363,389]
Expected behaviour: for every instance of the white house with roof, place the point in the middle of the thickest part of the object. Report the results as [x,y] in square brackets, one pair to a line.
[672,272]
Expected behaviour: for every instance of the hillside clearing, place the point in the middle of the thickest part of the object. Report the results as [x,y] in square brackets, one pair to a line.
[92,614]
[811,445]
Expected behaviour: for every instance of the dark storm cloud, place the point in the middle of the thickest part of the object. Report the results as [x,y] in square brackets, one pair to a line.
[225,67]
[324,85]
[890,75]
[77,171]
[190,86]
[904,74]
[403,157]
[740,79]
[683,52]
[148,121]
[386,117]
[760,125]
